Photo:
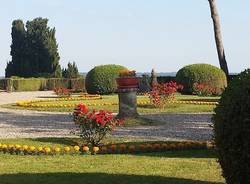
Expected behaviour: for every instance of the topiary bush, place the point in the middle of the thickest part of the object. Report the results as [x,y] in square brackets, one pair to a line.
[202,74]
[101,79]
[232,130]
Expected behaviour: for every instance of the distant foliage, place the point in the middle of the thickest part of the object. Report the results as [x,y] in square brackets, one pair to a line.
[101,79]
[71,71]
[202,74]
[232,130]
[34,50]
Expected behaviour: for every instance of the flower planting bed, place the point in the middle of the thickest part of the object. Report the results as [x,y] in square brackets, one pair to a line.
[63,102]
[122,148]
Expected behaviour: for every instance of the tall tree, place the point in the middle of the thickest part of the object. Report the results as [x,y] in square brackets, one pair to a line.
[218,36]
[34,51]
[17,65]
[43,48]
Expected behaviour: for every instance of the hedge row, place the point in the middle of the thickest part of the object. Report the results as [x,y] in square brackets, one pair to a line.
[40,84]
[50,84]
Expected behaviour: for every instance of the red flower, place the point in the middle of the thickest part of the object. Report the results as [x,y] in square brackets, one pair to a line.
[82,108]
[94,124]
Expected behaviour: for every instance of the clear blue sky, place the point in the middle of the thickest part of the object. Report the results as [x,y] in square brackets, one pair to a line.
[140,34]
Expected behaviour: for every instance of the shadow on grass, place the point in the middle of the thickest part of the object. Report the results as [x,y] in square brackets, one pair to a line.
[63,141]
[48,97]
[93,178]
[182,154]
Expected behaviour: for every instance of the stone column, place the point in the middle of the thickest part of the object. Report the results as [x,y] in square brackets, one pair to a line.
[127,103]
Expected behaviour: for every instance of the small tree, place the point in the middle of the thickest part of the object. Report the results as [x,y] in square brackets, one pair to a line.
[153,78]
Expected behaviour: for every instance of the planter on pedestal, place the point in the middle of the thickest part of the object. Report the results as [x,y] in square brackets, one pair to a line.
[127,89]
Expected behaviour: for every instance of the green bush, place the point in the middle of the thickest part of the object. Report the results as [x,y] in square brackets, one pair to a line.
[232,130]
[101,79]
[202,74]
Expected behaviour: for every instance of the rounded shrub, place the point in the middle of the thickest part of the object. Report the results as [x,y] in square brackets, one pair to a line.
[202,74]
[232,130]
[101,79]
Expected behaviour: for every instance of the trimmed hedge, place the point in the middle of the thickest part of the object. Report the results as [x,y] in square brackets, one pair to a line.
[53,83]
[101,79]
[232,130]
[202,74]
[40,84]
[78,84]
[3,84]
[31,84]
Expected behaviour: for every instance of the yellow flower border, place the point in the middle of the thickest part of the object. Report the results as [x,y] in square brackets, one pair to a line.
[33,103]
[107,149]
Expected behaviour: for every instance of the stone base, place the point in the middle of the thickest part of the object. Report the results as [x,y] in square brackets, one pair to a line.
[127,103]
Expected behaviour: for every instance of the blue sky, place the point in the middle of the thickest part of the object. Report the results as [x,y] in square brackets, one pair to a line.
[140,34]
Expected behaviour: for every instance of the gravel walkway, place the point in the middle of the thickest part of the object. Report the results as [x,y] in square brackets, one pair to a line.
[19,123]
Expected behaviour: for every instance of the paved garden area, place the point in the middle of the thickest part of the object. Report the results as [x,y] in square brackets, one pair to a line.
[20,123]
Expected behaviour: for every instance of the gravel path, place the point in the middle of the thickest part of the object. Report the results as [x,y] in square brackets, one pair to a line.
[19,123]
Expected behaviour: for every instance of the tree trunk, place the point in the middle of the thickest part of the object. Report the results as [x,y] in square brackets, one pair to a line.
[218,36]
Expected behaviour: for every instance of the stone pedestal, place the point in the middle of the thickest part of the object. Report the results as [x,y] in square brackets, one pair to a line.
[127,103]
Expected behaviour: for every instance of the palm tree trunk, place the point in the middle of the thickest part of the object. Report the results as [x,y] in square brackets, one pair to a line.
[218,36]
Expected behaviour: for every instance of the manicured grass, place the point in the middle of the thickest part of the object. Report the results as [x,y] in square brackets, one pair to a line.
[171,108]
[177,167]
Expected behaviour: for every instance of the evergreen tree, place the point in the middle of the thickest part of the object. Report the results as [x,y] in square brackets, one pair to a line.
[43,49]
[34,51]
[71,71]
[17,65]
[153,78]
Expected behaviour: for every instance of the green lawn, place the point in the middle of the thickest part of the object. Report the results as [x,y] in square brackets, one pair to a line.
[171,108]
[177,167]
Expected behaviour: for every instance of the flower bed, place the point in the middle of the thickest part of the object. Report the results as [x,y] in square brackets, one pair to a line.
[58,103]
[124,148]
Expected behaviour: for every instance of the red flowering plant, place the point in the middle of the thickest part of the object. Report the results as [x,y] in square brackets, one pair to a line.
[94,125]
[62,92]
[204,90]
[163,94]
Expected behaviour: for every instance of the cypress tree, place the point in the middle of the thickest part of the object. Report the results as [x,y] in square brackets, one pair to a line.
[17,65]
[34,51]
[43,48]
